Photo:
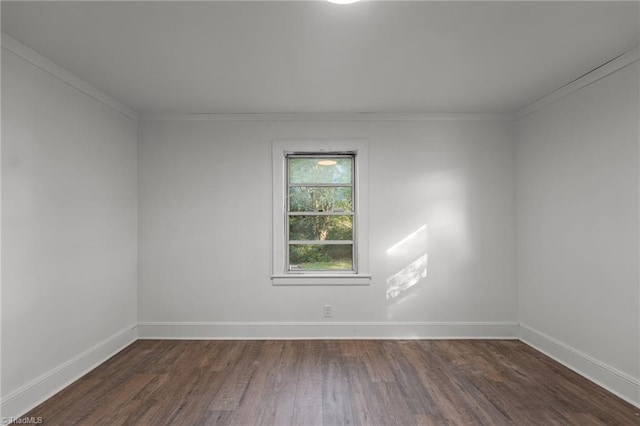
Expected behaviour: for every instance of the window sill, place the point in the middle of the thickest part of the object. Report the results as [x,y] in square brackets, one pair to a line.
[321,279]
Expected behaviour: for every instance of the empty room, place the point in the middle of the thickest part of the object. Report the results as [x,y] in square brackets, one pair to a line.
[314,213]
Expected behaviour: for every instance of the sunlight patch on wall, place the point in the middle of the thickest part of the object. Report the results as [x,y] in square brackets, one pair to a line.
[408,277]
[411,252]
[405,243]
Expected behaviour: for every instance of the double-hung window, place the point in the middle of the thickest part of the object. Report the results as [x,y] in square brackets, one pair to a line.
[319,213]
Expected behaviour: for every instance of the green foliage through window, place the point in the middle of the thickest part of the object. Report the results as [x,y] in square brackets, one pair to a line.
[320,214]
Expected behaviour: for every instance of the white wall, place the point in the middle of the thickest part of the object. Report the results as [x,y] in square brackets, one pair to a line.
[70,221]
[577,210]
[69,232]
[205,231]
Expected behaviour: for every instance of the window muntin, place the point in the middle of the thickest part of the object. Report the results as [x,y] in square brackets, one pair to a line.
[320,218]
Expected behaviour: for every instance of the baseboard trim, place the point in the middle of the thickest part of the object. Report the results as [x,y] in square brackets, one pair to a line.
[327,330]
[602,374]
[44,387]
[37,391]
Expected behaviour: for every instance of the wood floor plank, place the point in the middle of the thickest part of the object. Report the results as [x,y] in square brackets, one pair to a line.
[315,382]
[363,410]
[66,401]
[336,392]
[377,368]
[252,410]
[428,365]
[107,410]
[418,398]
[307,415]
[236,380]
[396,409]
[283,386]
[309,390]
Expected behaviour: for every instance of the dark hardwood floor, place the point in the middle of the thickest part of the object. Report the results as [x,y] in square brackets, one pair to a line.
[312,382]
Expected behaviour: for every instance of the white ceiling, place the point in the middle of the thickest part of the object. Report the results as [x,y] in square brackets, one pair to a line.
[308,56]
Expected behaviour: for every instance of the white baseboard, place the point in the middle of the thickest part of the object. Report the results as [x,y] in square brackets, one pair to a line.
[327,330]
[613,380]
[37,391]
[32,394]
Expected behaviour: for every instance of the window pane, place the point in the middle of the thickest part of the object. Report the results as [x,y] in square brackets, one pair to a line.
[321,257]
[320,199]
[320,170]
[321,228]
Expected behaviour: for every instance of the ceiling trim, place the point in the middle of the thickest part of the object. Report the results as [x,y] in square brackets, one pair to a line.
[45,64]
[328,117]
[591,77]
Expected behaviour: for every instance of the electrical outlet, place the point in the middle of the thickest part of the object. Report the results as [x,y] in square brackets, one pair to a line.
[327,311]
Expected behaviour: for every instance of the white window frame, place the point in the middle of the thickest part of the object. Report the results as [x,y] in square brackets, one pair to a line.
[280,274]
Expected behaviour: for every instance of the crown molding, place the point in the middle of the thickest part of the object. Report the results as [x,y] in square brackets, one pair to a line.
[591,77]
[45,64]
[373,116]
